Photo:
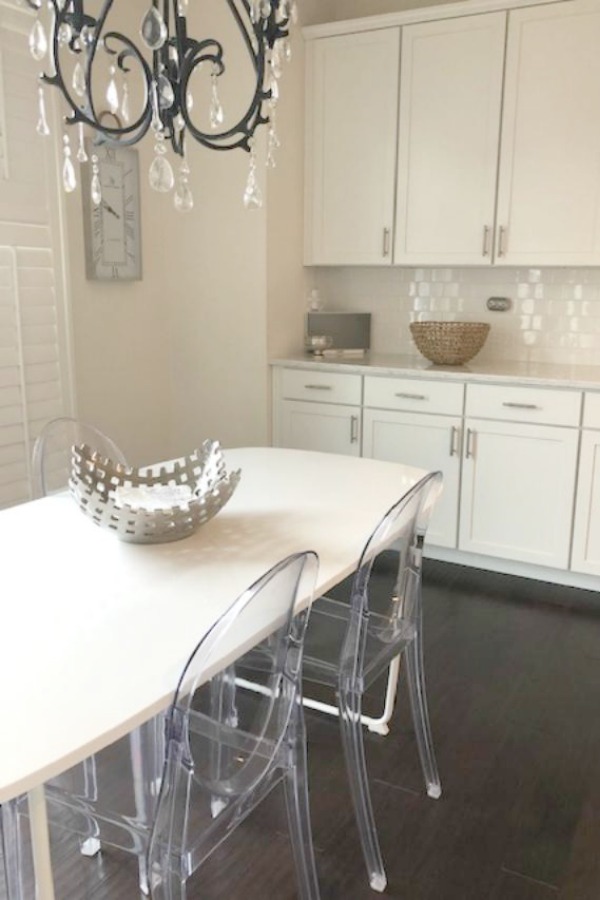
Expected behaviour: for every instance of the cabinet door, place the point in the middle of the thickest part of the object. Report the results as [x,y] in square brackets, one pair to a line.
[351,125]
[428,442]
[450,95]
[549,183]
[586,537]
[517,495]
[329,427]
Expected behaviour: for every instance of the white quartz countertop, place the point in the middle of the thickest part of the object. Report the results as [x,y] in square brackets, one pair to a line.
[542,374]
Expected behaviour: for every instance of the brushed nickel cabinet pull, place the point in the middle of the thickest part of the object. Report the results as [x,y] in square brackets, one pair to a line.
[521,405]
[411,396]
[318,387]
[386,241]
[502,241]
[454,441]
[353,429]
[486,241]
[469,451]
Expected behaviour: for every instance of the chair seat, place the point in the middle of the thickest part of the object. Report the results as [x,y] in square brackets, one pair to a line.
[327,630]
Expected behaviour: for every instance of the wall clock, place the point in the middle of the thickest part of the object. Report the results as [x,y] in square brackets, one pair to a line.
[112,228]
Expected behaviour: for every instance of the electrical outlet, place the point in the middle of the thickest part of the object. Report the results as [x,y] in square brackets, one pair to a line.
[499,304]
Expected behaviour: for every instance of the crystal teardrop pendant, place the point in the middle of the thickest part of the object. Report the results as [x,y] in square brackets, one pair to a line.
[38,43]
[265,9]
[125,112]
[95,186]
[153,30]
[216,113]
[81,154]
[166,94]
[42,125]
[183,199]
[79,80]
[68,172]
[161,173]
[112,94]
[252,194]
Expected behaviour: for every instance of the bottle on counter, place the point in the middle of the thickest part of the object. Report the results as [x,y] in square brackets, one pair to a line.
[313,303]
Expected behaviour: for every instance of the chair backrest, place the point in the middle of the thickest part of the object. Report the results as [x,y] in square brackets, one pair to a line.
[403,527]
[51,458]
[225,730]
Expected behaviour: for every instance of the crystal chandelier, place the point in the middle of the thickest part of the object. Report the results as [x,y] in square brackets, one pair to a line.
[92,66]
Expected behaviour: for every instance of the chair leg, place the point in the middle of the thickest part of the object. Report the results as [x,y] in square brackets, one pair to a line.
[90,846]
[12,850]
[354,751]
[415,679]
[298,810]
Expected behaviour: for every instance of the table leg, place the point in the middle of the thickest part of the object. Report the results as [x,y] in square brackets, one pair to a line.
[40,844]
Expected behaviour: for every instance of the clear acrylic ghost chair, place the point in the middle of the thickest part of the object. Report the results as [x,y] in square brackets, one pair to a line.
[51,458]
[51,466]
[11,850]
[229,741]
[348,646]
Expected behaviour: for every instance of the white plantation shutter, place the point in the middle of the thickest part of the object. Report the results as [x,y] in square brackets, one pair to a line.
[34,358]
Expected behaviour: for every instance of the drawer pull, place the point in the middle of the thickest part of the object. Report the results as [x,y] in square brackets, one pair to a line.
[486,241]
[386,242]
[353,429]
[318,387]
[470,447]
[454,441]
[412,396]
[502,241]
[521,405]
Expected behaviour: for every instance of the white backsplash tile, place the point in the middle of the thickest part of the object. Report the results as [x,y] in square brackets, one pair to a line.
[554,317]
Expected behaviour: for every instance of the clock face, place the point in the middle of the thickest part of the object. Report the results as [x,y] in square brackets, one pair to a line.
[112,227]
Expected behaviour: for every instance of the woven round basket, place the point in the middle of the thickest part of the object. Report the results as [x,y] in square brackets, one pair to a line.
[449,343]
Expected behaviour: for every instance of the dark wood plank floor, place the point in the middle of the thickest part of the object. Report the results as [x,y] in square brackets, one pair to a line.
[513,670]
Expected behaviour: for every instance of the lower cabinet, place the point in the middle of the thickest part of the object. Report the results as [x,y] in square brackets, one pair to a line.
[586,535]
[317,410]
[329,427]
[518,485]
[425,441]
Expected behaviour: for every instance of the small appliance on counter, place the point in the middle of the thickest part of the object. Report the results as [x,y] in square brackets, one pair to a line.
[338,331]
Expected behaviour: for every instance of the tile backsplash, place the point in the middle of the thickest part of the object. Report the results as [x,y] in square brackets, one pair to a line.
[554,314]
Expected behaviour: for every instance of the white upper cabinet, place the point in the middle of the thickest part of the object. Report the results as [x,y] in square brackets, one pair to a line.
[450,101]
[549,184]
[498,141]
[351,122]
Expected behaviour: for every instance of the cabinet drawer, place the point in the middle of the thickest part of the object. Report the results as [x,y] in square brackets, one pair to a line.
[524,404]
[325,387]
[414,395]
[591,410]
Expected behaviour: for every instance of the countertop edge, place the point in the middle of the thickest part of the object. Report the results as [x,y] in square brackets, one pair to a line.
[539,374]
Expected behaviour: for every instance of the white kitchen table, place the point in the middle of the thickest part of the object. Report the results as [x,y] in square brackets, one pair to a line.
[95,631]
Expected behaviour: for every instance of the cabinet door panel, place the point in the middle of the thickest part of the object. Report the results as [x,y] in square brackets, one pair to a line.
[517,493]
[549,185]
[319,426]
[586,537]
[426,442]
[351,121]
[450,95]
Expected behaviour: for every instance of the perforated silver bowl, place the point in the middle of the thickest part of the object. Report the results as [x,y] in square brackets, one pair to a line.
[154,504]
